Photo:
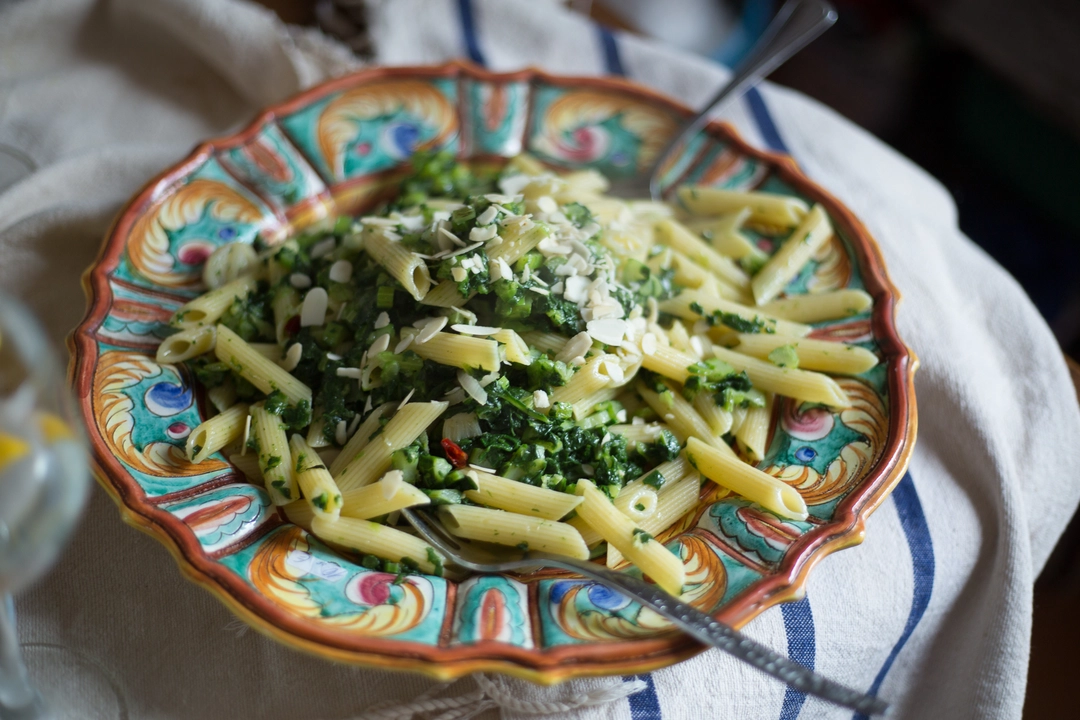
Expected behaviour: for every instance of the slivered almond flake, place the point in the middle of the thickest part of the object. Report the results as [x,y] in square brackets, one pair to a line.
[614,371]
[472,387]
[455,396]
[381,343]
[577,346]
[390,483]
[474,329]
[292,357]
[540,400]
[608,331]
[324,247]
[482,234]
[433,326]
[463,250]
[648,344]
[379,221]
[403,345]
[547,204]
[313,311]
[341,271]
[340,432]
[489,378]
[488,216]
[333,356]
[382,321]
[540,290]
[405,401]
[247,435]
[300,281]
[481,468]
[353,424]
[348,372]
[460,274]
[451,237]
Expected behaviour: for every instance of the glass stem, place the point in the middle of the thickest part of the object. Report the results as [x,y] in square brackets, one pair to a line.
[17,696]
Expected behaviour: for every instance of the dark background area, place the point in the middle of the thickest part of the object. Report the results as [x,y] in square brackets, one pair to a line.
[983,94]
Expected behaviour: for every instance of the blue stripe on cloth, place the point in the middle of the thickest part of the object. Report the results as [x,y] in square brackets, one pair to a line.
[769,132]
[468,29]
[612,58]
[917,534]
[644,705]
[802,648]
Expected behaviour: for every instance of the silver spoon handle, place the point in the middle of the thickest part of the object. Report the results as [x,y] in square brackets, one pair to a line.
[711,632]
[795,26]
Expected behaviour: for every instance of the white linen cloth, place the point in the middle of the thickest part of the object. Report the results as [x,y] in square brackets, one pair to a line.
[934,607]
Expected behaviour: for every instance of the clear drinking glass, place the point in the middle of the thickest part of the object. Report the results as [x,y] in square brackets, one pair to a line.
[44,479]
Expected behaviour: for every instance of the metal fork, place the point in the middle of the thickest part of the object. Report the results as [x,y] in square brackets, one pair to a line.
[701,627]
[796,24]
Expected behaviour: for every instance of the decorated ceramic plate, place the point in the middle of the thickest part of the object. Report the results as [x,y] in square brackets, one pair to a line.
[337,149]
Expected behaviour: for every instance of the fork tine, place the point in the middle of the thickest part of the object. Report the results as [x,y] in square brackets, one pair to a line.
[428,531]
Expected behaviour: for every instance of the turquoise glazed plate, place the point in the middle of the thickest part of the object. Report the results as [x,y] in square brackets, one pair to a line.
[339,148]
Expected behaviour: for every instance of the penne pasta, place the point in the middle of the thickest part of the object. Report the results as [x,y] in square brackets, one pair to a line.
[256,369]
[667,361]
[403,265]
[207,308]
[723,234]
[385,495]
[372,461]
[223,396]
[462,351]
[799,384]
[360,438]
[217,432]
[516,241]
[680,415]
[746,480]
[318,488]
[507,528]
[186,344]
[766,208]
[674,234]
[386,542]
[673,501]
[821,355]
[819,307]
[785,263]
[275,458]
[247,464]
[753,432]
[683,305]
[717,418]
[664,567]
[518,497]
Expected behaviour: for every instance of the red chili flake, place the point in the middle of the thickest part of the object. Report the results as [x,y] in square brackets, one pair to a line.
[292,325]
[457,457]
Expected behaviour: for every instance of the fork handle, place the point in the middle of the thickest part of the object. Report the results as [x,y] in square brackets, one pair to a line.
[704,628]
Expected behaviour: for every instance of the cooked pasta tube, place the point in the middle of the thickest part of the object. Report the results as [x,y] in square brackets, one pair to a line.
[642,433]
[217,432]
[381,540]
[799,384]
[385,495]
[360,438]
[785,263]
[681,415]
[718,419]
[666,361]
[746,480]
[516,530]
[754,430]
[636,502]
[229,262]
[223,396]
[822,355]
[590,536]
[275,458]
[314,479]
[689,274]
[522,498]
[581,391]
[373,460]
[300,513]
[461,351]
[270,351]
[672,502]
[316,434]
[664,567]
[723,234]
[248,465]
[675,235]
[207,308]
[765,208]
[264,374]
[514,347]
[819,307]
[186,344]
[545,341]
[286,306]
[683,305]
[405,266]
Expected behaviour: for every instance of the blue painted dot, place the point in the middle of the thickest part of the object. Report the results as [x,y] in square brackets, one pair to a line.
[228,232]
[166,399]
[619,158]
[559,589]
[805,454]
[405,136]
[605,598]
